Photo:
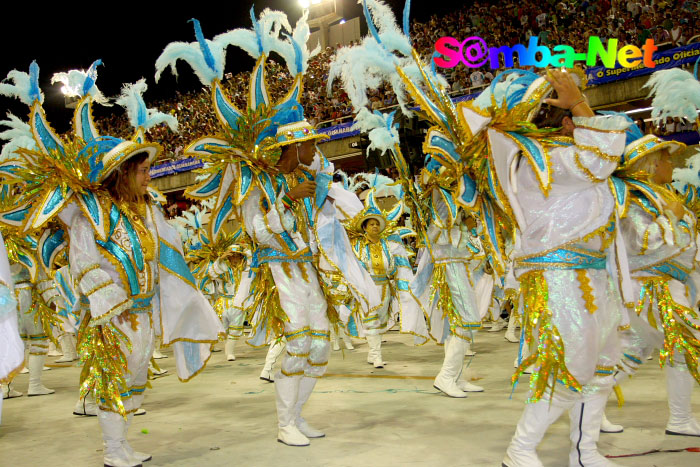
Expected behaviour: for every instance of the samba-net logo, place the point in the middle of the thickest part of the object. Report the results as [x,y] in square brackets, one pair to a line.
[474,53]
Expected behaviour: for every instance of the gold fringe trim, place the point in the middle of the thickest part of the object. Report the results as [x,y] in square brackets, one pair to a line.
[675,322]
[548,359]
[584,284]
[104,364]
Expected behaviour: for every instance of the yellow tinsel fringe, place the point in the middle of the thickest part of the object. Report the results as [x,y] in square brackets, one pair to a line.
[104,364]
[675,322]
[549,359]
[266,298]
[441,289]
[44,315]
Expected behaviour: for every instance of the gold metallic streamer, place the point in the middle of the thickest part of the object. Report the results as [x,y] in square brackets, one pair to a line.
[548,358]
[104,364]
[674,319]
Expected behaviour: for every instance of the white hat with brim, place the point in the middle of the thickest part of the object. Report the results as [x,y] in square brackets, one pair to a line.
[124,151]
[646,145]
[297,132]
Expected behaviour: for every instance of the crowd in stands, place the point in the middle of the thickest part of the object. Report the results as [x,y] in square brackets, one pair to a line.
[569,22]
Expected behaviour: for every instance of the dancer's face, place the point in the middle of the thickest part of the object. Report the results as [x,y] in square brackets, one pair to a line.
[373,227]
[664,169]
[142,177]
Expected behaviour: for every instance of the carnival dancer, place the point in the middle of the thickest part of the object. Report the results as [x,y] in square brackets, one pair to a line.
[265,171]
[660,235]
[11,345]
[579,246]
[34,293]
[520,177]
[126,260]
[377,241]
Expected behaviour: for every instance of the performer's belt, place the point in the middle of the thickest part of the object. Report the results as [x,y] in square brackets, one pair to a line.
[669,269]
[270,255]
[563,258]
[141,303]
[380,278]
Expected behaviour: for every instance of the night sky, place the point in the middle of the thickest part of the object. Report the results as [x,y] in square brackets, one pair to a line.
[69,35]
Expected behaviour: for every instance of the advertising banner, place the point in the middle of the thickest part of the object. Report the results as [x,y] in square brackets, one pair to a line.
[668,59]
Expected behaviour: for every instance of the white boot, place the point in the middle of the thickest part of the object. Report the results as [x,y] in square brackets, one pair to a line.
[498,325]
[85,407]
[374,341]
[335,342]
[272,353]
[532,426]
[606,426]
[451,368]
[53,351]
[306,387]
[468,352]
[9,393]
[139,456]
[36,365]
[510,332]
[230,344]
[67,342]
[113,427]
[156,350]
[585,417]
[679,385]
[287,392]
[347,341]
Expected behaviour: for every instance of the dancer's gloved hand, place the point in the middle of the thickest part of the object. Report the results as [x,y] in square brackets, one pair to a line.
[569,96]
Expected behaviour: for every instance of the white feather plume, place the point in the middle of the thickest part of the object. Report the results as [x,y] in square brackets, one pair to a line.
[676,94]
[21,87]
[380,128]
[300,37]
[131,99]
[73,84]
[270,23]
[391,36]
[18,135]
[688,175]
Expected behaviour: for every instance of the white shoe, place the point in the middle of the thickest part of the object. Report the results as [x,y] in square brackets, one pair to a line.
[36,363]
[85,407]
[113,427]
[228,348]
[532,426]
[24,371]
[157,355]
[511,337]
[348,343]
[157,372]
[53,351]
[306,387]
[336,345]
[498,325]
[138,456]
[451,368]
[468,352]
[68,347]
[585,418]
[286,396]
[9,393]
[140,412]
[379,362]
[608,427]
[466,386]
[679,386]
[266,375]
[291,436]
